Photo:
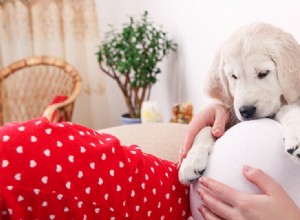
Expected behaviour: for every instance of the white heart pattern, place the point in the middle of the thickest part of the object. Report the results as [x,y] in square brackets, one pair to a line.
[80,174]
[48,131]
[88,190]
[118,188]
[68,185]
[154,191]
[5,163]
[36,191]
[132,193]
[112,172]
[18,176]
[47,152]
[58,168]
[33,139]
[45,179]
[19,149]
[32,163]
[82,149]
[92,165]
[106,196]
[130,179]
[20,198]
[100,181]
[167,196]
[5,138]
[71,158]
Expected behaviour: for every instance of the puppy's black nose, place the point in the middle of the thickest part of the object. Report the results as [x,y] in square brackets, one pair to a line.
[247,111]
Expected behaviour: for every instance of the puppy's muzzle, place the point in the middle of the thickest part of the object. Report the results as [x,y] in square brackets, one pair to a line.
[247,111]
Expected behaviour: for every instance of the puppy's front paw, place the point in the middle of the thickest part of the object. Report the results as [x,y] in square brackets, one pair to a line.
[192,167]
[288,116]
[195,163]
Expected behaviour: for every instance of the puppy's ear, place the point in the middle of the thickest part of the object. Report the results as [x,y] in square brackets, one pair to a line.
[286,55]
[216,85]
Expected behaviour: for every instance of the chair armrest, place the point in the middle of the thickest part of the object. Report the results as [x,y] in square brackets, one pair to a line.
[49,111]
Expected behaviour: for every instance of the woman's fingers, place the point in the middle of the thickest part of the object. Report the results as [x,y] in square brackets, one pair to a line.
[221,119]
[222,191]
[207,214]
[214,204]
[222,201]
[263,181]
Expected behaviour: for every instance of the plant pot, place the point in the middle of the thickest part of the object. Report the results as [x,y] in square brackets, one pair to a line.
[127,120]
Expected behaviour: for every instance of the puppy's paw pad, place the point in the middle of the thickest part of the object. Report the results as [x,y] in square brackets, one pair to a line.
[291,150]
[294,152]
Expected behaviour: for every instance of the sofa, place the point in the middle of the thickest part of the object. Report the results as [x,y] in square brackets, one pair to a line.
[160,139]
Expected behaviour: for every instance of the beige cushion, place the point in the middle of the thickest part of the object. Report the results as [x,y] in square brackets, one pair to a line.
[160,139]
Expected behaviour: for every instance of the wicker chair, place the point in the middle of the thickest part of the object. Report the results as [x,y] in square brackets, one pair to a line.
[28,86]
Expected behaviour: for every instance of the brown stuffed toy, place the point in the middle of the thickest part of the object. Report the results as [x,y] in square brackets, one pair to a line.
[182,113]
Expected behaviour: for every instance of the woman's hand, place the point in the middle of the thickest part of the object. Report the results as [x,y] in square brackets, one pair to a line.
[215,115]
[223,202]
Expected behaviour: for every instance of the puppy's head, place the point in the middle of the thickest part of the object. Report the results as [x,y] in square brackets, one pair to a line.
[256,70]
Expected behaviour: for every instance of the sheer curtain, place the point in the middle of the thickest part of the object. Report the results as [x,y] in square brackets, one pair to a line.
[62,28]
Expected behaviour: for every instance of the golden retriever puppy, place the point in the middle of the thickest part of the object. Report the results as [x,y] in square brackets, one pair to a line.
[255,74]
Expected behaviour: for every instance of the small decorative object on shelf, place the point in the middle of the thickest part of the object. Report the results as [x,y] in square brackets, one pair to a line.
[182,113]
[150,112]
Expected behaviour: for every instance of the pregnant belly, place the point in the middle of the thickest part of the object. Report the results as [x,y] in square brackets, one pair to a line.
[257,143]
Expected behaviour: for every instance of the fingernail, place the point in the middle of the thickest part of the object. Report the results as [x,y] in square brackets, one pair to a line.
[217,132]
[202,180]
[247,168]
[201,208]
[200,192]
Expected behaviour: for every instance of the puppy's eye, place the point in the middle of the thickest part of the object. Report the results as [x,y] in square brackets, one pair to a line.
[233,76]
[263,74]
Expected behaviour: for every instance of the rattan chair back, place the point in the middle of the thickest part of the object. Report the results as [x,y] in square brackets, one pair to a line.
[28,86]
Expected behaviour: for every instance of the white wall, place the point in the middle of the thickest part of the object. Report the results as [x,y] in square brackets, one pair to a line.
[199,27]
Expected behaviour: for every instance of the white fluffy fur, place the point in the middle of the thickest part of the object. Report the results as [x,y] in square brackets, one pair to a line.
[235,79]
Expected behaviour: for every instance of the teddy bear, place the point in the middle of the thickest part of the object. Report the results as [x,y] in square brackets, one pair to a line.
[182,113]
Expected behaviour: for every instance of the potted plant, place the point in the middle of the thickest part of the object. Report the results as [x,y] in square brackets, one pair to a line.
[130,57]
